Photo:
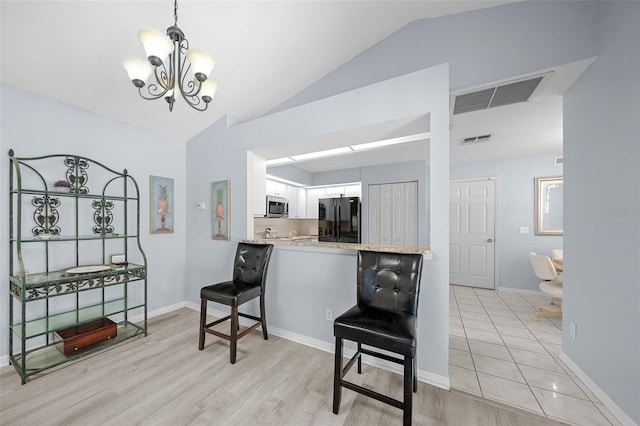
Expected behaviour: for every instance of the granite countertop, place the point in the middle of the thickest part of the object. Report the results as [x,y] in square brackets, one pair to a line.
[301,241]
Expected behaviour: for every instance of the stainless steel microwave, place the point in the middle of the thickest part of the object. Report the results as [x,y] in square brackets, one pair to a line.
[277,206]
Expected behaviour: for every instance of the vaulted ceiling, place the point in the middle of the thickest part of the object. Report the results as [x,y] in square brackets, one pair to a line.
[267,51]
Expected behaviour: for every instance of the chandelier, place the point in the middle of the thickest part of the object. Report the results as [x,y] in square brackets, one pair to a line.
[173,74]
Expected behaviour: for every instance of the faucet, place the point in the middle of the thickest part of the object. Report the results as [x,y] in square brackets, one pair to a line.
[267,233]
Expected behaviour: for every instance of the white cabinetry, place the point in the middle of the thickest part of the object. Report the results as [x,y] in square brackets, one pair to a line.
[353,191]
[297,201]
[393,214]
[276,188]
[313,195]
[343,191]
[294,194]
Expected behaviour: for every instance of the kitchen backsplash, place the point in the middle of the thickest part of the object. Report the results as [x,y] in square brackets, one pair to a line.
[281,227]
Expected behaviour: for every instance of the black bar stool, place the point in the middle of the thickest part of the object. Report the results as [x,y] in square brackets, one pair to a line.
[385,317]
[249,278]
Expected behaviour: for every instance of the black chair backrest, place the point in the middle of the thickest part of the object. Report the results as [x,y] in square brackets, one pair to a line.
[389,281]
[251,263]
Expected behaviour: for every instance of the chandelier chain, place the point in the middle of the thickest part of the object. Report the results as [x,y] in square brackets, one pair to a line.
[175,12]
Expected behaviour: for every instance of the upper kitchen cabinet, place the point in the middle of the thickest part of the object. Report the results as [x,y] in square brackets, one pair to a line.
[276,188]
[297,201]
[343,191]
[353,190]
[313,195]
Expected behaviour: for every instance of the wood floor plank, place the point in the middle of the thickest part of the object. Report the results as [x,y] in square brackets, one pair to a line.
[163,379]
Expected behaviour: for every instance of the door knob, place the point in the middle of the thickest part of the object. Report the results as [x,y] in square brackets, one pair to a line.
[489,240]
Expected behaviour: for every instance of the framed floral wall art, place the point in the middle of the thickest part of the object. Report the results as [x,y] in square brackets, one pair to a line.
[161,210]
[221,202]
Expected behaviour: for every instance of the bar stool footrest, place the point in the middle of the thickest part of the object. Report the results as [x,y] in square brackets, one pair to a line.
[372,394]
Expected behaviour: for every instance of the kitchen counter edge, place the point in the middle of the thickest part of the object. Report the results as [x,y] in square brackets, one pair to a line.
[349,248]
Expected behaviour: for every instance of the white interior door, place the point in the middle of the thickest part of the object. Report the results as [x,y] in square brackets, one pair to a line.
[472,233]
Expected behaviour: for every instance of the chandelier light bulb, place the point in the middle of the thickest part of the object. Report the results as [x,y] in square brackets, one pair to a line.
[156,45]
[202,63]
[138,70]
[208,90]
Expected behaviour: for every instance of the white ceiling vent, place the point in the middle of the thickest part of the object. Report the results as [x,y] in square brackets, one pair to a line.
[504,94]
[475,139]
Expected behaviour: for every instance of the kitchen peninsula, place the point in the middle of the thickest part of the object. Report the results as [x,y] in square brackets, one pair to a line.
[301,234]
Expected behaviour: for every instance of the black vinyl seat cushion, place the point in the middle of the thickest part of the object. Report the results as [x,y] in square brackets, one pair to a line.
[388,330]
[231,293]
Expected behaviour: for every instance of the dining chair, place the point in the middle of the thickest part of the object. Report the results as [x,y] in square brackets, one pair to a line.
[551,284]
[388,285]
[248,282]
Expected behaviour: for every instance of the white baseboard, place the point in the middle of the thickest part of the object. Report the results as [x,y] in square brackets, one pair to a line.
[599,393]
[423,375]
[159,311]
[521,290]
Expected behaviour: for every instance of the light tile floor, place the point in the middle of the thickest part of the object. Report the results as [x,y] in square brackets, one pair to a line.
[497,351]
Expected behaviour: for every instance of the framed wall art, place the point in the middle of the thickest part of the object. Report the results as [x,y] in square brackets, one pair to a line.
[161,209]
[221,202]
[549,205]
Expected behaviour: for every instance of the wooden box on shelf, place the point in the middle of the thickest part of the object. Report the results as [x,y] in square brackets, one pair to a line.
[83,335]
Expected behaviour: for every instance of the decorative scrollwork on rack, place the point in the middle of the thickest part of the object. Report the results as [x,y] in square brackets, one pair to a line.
[45,215]
[77,174]
[103,217]
[80,283]
[14,290]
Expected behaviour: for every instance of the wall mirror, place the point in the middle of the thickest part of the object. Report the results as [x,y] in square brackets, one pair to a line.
[548,205]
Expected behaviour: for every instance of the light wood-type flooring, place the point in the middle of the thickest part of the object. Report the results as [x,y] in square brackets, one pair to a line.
[163,379]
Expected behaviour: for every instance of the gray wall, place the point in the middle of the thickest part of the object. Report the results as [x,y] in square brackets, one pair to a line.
[423,93]
[602,211]
[524,37]
[35,126]
[515,196]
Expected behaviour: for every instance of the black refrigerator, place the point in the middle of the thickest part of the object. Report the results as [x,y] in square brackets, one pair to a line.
[339,219]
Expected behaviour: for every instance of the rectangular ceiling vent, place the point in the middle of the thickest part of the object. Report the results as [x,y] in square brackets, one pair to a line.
[504,94]
[475,139]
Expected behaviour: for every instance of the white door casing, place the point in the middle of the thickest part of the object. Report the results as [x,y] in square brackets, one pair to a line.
[472,233]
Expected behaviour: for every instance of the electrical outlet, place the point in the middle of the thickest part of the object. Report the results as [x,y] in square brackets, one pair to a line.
[201,205]
[524,229]
[572,329]
[328,314]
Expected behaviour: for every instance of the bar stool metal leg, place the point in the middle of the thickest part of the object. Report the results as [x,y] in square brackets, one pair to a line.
[262,318]
[203,322]
[408,391]
[337,377]
[234,333]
